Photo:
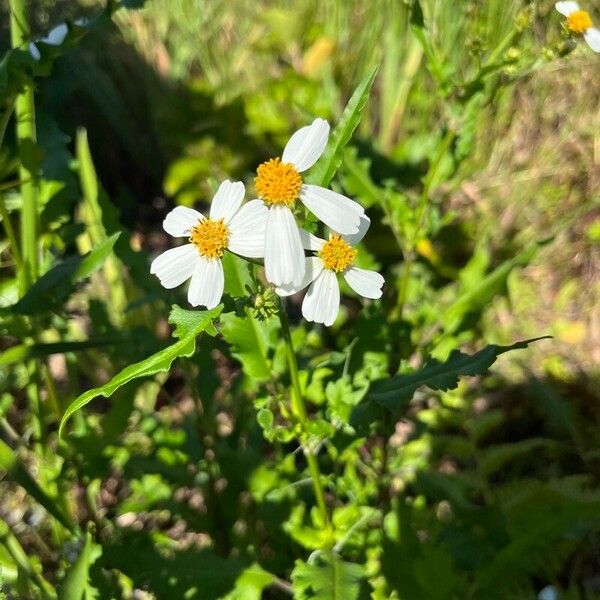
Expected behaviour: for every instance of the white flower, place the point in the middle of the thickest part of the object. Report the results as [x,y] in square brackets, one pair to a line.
[230,226]
[279,184]
[335,256]
[579,22]
[56,36]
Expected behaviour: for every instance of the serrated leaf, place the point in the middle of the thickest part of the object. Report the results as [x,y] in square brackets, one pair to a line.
[250,341]
[189,324]
[52,288]
[325,170]
[396,392]
[76,585]
[328,579]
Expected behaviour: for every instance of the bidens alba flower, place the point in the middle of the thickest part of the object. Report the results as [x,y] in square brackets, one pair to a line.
[279,185]
[334,257]
[579,22]
[230,226]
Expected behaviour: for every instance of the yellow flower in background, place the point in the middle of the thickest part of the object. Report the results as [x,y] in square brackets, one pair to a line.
[580,23]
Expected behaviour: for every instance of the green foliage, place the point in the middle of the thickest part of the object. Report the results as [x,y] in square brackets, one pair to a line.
[276,457]
[54,287]
[10,462]
[329,578]
[188,325]
[396,392]
[331,160]
[250,340]
[76,585]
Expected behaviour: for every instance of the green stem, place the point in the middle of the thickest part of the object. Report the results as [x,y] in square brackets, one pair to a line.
[410,254]
[10,232]
[26,139]
[298,408]
[26,568]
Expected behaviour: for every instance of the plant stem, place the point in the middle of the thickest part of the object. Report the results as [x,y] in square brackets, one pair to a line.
[298,408]
[26,139]
[410,254]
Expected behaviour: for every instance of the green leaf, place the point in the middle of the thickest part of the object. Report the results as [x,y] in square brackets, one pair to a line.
[329,578]
[544,519]
[395,393]
[23,352]
[325,170]
[476,297]
[237,275]
[250,341]
[250,584]
[189,324]
[77,585]
[9,462]
[495,458]
[52,288]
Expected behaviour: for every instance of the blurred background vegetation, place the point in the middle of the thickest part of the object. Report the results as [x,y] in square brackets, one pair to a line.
[182,93]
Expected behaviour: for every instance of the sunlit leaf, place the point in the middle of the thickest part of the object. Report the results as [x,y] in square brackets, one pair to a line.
[189,324]
[478,295]
[76,585]
[329,578]
[326,168]
[250,584]
[250,341]
[52,288]
[395,393]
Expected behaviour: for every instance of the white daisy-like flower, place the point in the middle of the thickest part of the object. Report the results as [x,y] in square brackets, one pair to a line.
[230,226]
[334,257]
[279,185]
[579,22]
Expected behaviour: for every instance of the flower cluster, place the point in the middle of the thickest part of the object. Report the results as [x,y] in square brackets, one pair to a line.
[266,228]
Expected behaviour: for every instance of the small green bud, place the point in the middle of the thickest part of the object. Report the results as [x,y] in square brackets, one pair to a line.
[513,54]
[264,304]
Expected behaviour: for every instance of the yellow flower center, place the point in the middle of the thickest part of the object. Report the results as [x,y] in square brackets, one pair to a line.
[579,22]
[277,182]
[210,237]
[337,254]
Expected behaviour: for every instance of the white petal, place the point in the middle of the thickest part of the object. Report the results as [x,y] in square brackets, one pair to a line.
[208,281]
[322,301]
[284,255]
[314,266]
[57,35]
[227,200]
[337,212]
[566,8]
[175,266]
[592,37]
[33,50]
[247,230]
[363,227]
[180,220]
[366,283]
[310,241]
[306,145]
